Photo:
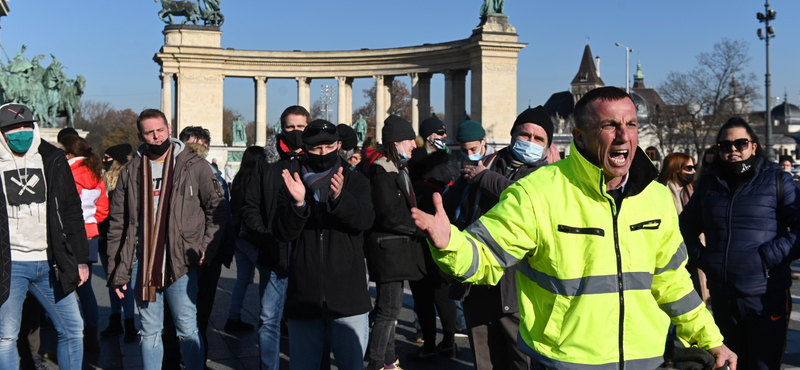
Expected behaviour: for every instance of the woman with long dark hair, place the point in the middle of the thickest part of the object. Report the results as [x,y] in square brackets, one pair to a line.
[246,254]
[747,209]
[87,170]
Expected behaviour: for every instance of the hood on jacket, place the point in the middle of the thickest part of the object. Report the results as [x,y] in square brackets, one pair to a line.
[82,174]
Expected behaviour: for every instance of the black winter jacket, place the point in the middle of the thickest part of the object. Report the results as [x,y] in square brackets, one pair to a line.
[395,245]
[67,246]
[485,189]
[328,250]
[258,210]
[751,233]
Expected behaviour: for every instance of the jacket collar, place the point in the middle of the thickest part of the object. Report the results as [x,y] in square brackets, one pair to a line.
[641,174]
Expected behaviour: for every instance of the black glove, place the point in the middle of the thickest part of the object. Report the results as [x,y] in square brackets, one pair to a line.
[693,358]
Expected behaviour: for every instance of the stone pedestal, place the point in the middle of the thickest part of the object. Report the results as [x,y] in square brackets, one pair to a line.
[494,53]
[199,86]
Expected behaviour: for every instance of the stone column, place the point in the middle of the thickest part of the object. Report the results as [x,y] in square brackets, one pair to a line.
[345,100]
[304,92]
[459,103]
[494,52]
[200,102]
[166,95]
[387,93]
[261,110]
[380,107]
[449,101]
[420,98]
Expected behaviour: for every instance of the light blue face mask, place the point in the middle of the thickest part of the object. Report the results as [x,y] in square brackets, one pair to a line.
[527,152]
[472,157]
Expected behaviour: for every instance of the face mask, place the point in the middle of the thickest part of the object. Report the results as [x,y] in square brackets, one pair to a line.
[353,168]
[739,168]
[472,157]
[438,144]
[107,165]
[685,178]
[526,151]
[20,141]
[159,150]
[403,156]
[321,162]
[294,138]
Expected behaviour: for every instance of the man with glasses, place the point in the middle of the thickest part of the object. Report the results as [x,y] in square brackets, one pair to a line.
[257,214]
[598,250]
[43,247]
[323,210]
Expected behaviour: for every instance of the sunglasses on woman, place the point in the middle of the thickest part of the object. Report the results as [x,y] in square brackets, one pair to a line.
[728,145]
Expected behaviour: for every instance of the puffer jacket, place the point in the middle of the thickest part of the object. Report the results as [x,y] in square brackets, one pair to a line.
[599,279]
[94,200]
[750,233]
[197,216]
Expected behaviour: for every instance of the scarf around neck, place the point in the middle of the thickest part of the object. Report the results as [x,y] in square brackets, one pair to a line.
[154,228]
[319,183]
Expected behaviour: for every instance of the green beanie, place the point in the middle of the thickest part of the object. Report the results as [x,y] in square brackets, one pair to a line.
[470,131]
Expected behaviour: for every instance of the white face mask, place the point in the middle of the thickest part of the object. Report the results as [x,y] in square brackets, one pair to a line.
[527,152]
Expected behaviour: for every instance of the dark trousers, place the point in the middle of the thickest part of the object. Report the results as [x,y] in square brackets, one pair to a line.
[388,303]
[492,333]
[754,328]
[431,294]
[28,341]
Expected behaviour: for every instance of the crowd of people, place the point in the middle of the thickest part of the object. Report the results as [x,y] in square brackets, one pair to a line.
[565,264]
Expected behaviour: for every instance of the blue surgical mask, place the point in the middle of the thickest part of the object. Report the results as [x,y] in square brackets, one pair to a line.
[403,155]
[527,152]
[20,141]
[472,157]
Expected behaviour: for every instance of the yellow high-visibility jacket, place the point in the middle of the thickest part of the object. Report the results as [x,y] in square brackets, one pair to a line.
[597,283]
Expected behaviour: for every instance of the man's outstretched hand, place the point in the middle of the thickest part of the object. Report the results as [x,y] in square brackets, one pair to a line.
[436,227]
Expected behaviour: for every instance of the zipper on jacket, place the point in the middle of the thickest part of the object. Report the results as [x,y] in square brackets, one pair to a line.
[620,286]
[321,264]
[581,230]
[728,216]
[646,225]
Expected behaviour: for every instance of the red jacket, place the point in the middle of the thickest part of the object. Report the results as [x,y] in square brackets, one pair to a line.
[94,200]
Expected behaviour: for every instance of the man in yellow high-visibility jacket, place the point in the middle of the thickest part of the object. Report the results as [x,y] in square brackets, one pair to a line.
[601,259]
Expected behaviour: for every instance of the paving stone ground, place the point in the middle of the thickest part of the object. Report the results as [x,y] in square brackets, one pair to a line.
[240,351]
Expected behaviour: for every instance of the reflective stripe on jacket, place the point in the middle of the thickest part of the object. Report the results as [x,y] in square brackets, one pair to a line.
[596,286]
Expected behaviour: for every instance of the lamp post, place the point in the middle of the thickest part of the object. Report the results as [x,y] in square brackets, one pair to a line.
[326,96]
[628,52]
[765,34]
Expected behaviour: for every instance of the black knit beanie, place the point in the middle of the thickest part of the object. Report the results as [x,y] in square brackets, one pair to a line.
[537,116]
[397,129]
[430,125]
[347,136]
[120,152]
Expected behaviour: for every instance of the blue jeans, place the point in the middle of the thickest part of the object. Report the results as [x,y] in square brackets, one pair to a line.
[244,276]
[88,301]
[35,277]
[182,297]
[348,337]
[272,288]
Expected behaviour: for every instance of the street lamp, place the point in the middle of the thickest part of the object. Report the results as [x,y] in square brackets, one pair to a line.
[628,52]
[326,96]
[765,34]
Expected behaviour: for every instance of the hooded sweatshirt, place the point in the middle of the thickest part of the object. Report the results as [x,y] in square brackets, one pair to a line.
[25,191]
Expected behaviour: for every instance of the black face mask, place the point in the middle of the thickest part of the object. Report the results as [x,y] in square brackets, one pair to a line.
[685,178]
[321,162]
[294,138]
[107,165]
[159,150]
[741,168]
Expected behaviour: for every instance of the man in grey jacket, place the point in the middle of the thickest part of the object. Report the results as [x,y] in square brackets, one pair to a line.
[168,209]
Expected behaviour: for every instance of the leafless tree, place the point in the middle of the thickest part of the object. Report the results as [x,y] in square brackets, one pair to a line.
[717,89]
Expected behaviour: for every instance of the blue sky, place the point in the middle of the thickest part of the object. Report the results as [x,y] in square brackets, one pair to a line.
[112,42]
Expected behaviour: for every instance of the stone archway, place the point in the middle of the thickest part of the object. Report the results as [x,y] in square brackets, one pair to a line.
[194,58]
